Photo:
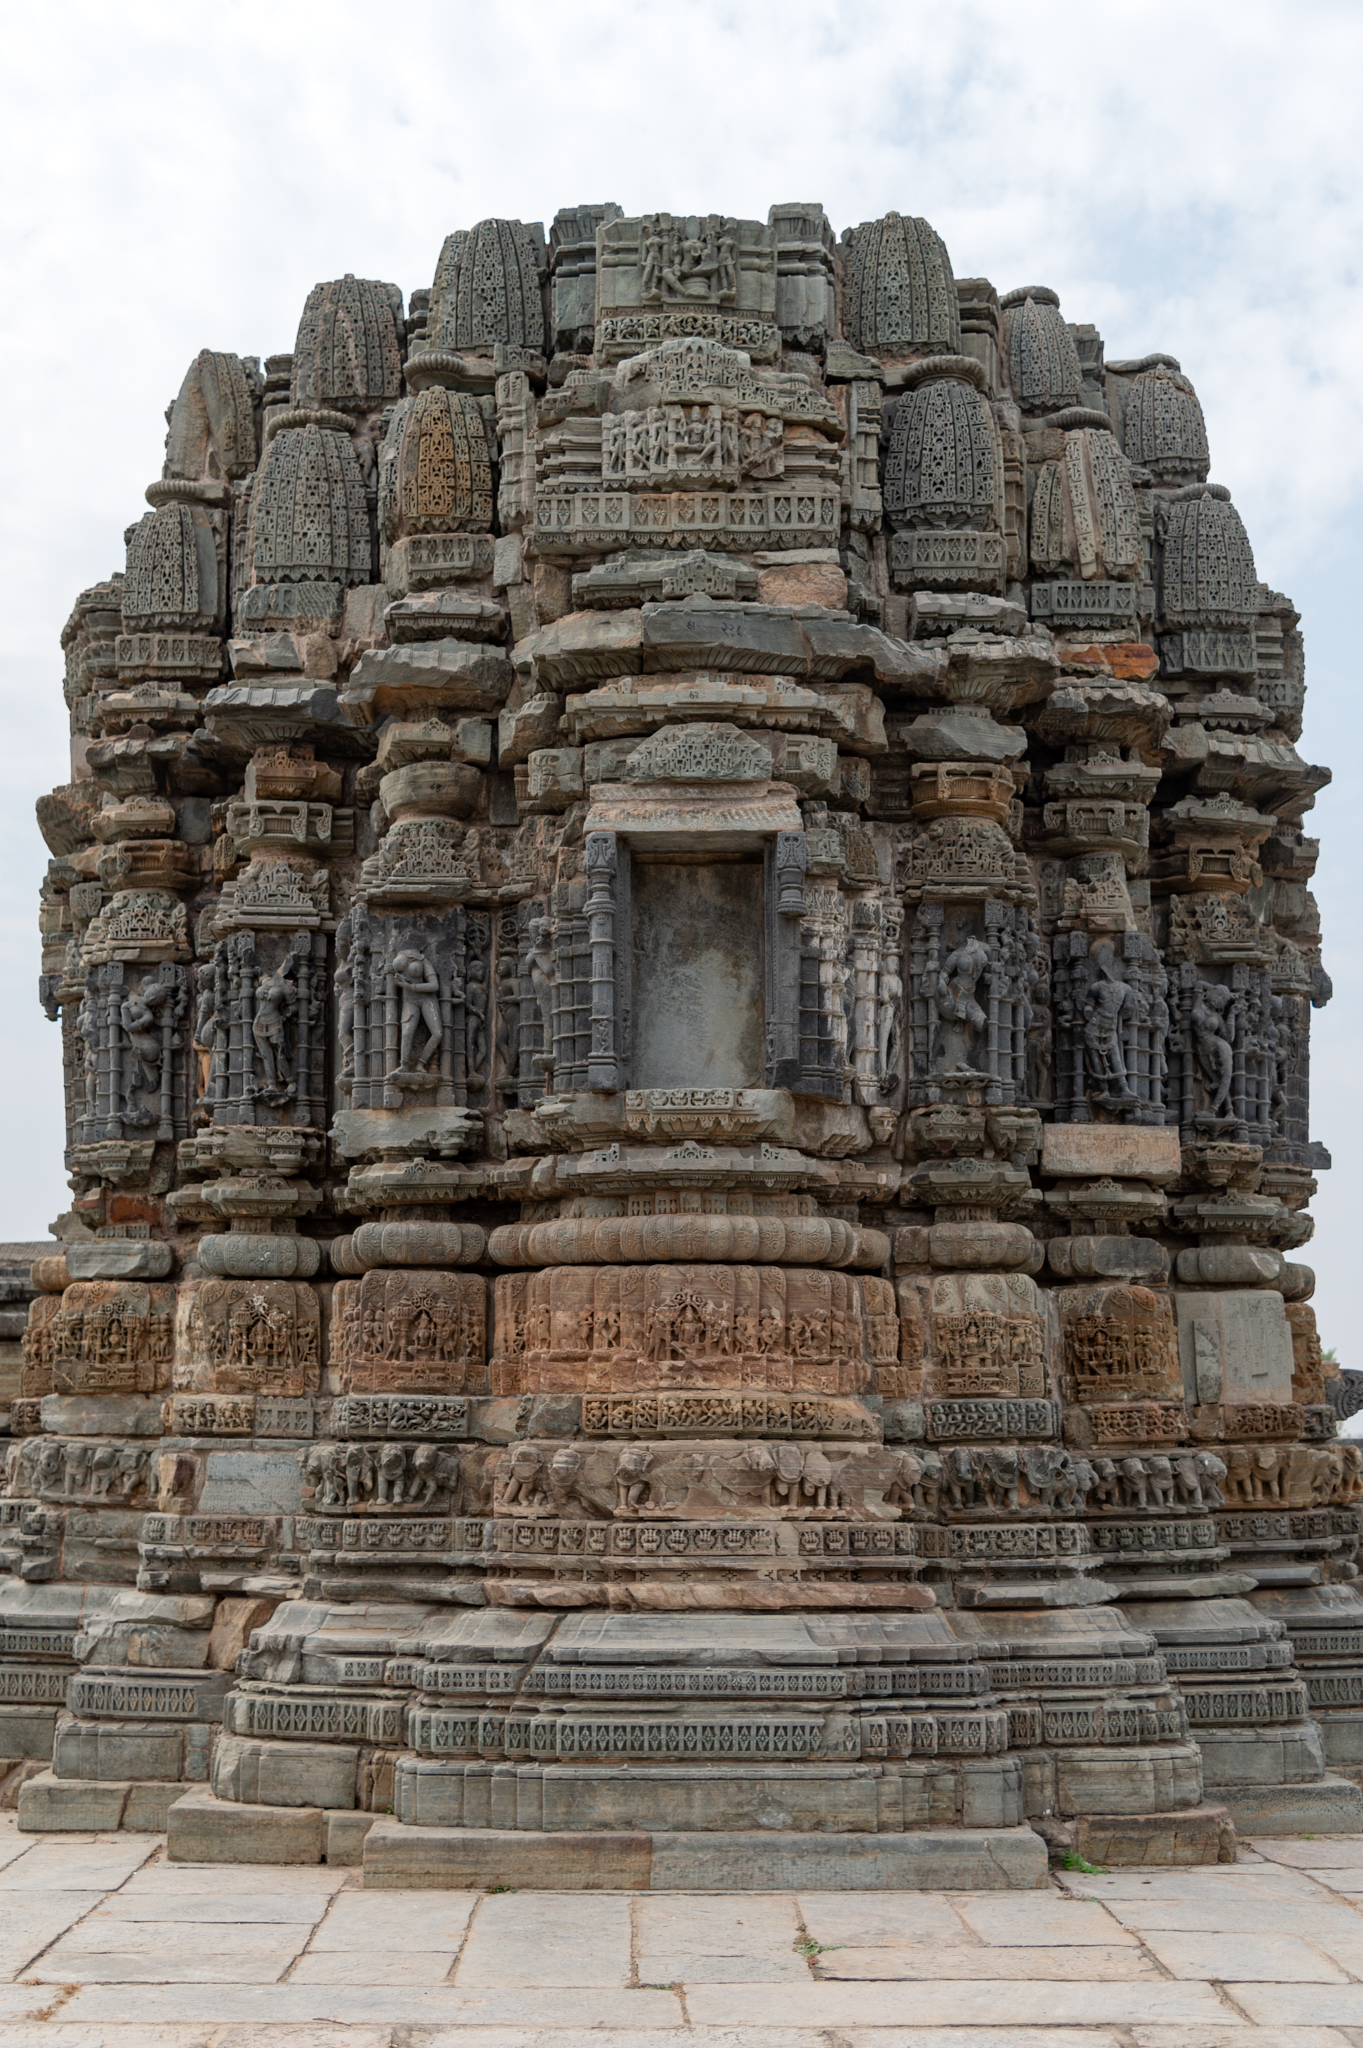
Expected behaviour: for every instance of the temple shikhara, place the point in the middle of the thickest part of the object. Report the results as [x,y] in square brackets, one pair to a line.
[681,937]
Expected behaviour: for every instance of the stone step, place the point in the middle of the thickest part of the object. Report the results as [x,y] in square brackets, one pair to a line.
[51,1805]
[1326,1806]
[136,1751]
[1194,1835]
[930,1859]
[775,1799]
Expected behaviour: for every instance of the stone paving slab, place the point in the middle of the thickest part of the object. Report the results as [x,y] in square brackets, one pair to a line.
[104,1944]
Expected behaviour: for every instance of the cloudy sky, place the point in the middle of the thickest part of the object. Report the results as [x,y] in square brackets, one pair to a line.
[1185,173]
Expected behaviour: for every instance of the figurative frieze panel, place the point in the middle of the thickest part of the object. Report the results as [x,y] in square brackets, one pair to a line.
[1111,1022]
[766,1327]
[409,1332]
[249,1337]
[412,998]
[112,1337]
[666,276]
[259,1031]
[132,1077]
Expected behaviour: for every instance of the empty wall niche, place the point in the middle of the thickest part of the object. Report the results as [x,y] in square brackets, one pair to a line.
[698,974]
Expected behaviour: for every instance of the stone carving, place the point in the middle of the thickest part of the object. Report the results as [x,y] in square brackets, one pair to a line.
[1162,424]
[132,1075]
[943,462]
[259,1029]
[488,289]
[707,1326]
[112,1337]
[1111,1022]
[750,1215]
[347,355]
[1208,592]
[309,515]
[1119,1341]
[971,983]
[212,427]
[76,1468]
[406,1028]
[410,1331]
[252,1336]
[1043,363]
[377,1477]
[176,576]
[435,467]
[900,297]
[666,275]
[1084,518]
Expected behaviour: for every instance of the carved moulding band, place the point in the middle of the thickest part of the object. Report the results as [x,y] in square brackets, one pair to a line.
[408,1244]
[592,522]
[716,1594]
[746,1240]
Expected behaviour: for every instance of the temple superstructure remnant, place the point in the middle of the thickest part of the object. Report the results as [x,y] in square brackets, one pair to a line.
[681,937]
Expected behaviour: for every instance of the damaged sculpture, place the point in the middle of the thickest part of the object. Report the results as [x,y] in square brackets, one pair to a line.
[682,943]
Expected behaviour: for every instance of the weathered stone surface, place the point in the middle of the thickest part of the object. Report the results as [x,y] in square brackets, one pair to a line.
[283,1773]
[396,1857]
[652,1279]
[1120,1150]
[52,1805]
[202,1828]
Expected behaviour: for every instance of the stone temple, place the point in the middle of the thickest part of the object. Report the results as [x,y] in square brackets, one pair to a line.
[681,937]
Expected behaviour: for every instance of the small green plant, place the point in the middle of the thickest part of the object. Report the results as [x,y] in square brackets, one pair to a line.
[807,1946]
[658,1987]
[1072,1860]
[503,1888]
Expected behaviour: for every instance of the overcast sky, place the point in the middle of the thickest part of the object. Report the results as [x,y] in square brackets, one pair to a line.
[1186,174]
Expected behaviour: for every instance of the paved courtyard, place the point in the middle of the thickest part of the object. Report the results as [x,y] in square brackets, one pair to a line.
[103,1944]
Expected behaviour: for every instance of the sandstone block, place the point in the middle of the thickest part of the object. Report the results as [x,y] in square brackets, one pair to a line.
[938,1859]
[1127,1781]
[533,724]
[1245,1757]
[146,1811]
[477,1859]
[283,1773]
[27,1731]
[203,1829]
[1192,1835]
[821,583]
[118,1750]
[345,1837]
[1234,1347]
[51,1805]
[578,1798]
[233,1624]
[1135,1151]
[1327,1806]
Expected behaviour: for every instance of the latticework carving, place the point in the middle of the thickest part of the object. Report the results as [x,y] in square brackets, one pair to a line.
[488,288]
[899,293]
[347,354]
[309,511]
[1043,363]
[943,462]
[1206,565]
[1163,427]
[436,469]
